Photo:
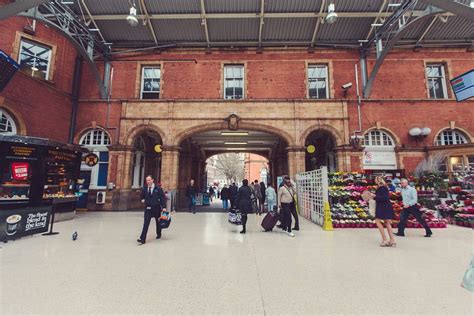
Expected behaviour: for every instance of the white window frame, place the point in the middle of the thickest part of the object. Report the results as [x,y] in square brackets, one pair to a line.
[443,81]
[142,84]
[326,79]
[96,149]
[10,121]
[23,40]
[380,138]
[440,139]
[234,79]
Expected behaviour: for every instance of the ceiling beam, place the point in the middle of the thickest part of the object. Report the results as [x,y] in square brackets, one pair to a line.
[148,21]
[92,19]
[382,7]
[204,21]
[254,15]
[260,29]
[318,22]
[18,6]
[428,28]
[454,7]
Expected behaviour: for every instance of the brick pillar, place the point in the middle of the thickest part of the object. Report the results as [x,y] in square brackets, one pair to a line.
[343,160]
[170,167]
[296,160]
[120,166]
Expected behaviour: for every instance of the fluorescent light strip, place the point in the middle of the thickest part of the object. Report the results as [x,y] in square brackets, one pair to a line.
[234,133]
[235,143]
[236,149]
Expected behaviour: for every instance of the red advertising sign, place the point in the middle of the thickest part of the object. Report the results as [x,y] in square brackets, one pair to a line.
[20,170]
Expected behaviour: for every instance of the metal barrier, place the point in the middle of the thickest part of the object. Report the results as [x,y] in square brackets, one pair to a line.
[312,188]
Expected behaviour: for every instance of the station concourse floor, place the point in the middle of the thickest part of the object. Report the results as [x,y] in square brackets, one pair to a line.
[203,266]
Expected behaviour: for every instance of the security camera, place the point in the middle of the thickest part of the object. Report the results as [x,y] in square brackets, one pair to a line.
[347,85]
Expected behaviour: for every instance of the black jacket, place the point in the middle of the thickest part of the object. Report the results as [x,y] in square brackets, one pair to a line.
[233,191]
[157,198]
[244,199]
[382,199]
[190,191]
[225,193]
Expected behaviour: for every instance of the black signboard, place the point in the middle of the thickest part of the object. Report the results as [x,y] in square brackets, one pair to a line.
[16,223]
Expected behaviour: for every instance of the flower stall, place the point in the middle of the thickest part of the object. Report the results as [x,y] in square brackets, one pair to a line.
[349,210]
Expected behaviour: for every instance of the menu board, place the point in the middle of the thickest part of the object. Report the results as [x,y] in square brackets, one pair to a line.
[24,222]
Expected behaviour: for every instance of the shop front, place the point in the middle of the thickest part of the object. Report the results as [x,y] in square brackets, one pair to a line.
[38,178]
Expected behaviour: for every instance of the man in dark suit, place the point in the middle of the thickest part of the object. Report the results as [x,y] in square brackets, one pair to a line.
[155,201]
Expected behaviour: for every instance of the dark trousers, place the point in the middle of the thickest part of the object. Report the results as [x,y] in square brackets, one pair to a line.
[192,203]
[149,214]
[286,211]
[244,221]
[295,216]
[232,203]
[404,217]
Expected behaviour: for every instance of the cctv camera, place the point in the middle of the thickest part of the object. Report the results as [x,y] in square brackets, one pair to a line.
[347,85]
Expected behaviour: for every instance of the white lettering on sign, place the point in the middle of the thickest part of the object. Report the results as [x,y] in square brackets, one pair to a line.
[37,220]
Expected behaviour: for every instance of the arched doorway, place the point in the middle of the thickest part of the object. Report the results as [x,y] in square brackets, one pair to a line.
[320,151]
[198,147]
[146,159]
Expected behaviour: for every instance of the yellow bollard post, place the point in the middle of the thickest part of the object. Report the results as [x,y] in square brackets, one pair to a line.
[327,218]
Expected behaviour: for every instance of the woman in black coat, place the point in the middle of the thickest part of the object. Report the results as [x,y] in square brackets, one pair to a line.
[384,212]
[244,198]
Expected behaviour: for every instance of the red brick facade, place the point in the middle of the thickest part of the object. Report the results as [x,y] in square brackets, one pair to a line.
[399,99]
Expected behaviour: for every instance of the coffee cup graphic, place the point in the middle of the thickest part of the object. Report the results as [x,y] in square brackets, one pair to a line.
[13,221]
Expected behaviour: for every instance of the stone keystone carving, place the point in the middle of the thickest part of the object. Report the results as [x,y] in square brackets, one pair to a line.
[233,122]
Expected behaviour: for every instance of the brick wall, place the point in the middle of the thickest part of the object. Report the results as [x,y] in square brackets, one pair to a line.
[45,106]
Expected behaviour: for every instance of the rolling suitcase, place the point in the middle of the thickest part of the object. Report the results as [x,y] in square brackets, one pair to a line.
[269,221]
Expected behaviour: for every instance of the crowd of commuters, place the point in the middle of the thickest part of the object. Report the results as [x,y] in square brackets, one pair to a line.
[258,198]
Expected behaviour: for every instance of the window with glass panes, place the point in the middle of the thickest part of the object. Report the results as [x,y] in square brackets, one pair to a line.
[318,86]
[378,139]
[436,77]
[233,82]
[450,137]
[35,59]
[7,125]
[150,88]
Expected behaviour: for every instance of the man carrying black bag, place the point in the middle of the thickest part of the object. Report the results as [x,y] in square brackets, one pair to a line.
[155,201]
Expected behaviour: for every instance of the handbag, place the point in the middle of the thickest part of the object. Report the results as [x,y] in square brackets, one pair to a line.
[372,207]
[235,218]
[165,219]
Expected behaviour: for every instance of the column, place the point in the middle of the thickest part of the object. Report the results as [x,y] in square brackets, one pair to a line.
[120,166]
[296,160]
[170,167]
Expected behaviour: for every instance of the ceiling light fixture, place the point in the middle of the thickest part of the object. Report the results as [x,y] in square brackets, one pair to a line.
[235,143]
[132,17]
[235,133]
[236,149]
[332,15]
[376,24]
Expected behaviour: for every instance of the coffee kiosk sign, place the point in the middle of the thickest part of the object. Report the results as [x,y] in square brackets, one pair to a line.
[24,222]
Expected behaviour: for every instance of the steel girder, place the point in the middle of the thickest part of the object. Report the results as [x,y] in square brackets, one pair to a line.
[388,35]
[18,6]
[64,20]
[457,8]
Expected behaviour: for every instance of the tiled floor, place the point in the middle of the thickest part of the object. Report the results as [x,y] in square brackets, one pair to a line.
[202,265]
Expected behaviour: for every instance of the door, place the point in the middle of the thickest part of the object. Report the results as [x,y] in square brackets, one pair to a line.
[84,189]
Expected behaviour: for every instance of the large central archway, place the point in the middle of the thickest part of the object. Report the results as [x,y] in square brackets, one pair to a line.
[201,143]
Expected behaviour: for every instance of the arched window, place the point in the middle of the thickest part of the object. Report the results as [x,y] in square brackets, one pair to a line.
[451,137]
[97,140]
[377,138]
[95,137]
[138,163]
[7,124]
